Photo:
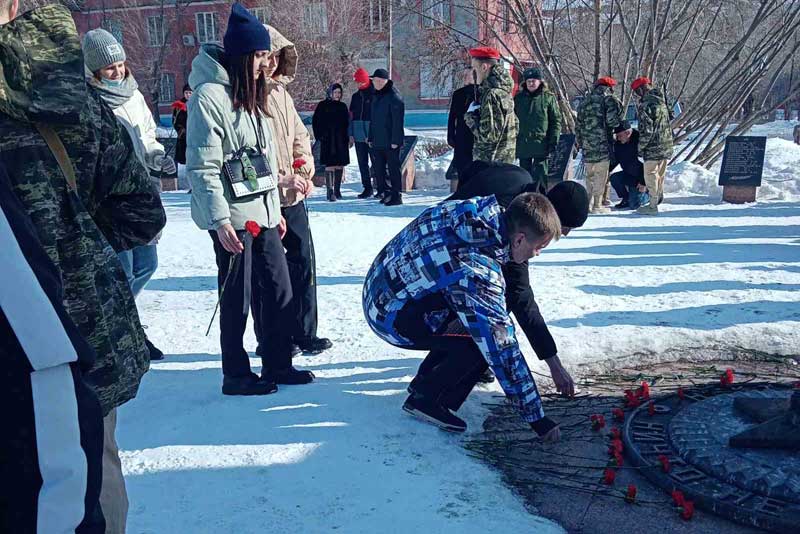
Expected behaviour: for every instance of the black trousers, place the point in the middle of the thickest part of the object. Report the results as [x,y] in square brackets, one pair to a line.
[621,182]
[454,364]
[364,159]
[383,158]
[301,259]
[274,317]
[42,469]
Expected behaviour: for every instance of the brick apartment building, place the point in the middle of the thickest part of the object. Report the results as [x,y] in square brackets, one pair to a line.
[162,37]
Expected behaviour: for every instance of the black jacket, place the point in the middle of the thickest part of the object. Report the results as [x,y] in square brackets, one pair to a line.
[387,117]
[626,155]
[506,181]
[459,136]
[361,112]
[331,121]
[20,230]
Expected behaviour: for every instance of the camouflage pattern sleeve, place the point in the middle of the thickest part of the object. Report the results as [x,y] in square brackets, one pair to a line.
[614,113]
[490,127]
[128,207]
[553,123]
[646,124]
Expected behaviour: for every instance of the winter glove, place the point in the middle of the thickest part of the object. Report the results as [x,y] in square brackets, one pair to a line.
[473,107]
[167,165]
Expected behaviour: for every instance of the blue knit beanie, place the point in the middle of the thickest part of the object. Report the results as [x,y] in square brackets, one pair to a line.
[245,34]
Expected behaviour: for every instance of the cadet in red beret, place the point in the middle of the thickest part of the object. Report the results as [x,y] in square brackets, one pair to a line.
[641,82]
[484,52]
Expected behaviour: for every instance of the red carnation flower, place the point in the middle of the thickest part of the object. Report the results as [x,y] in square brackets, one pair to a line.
[727,378]
[608,477]
[630,497]
[616,446]
[664,463]
[688,510]
[644,391]
[678,498]
[618,459]
[651,409]
[298,163]
[615,433]
[253,228]
[618,414]
[681,394]
[631,400]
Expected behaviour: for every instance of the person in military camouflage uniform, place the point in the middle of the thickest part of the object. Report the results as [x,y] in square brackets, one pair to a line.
[598,114]
[113,206]
[655,140]
[536,108]
[491,119]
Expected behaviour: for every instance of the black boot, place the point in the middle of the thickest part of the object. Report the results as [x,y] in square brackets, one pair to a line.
[487,377]
[247,385]
[337,184]
[394,200]
[290,376]
[329,186]
[313,345]
[366,193]
[433,412]
[155,354]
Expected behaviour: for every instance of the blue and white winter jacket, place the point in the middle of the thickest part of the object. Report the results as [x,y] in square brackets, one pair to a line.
[455,248]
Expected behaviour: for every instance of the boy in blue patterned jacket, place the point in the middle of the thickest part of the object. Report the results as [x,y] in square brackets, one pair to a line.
[438,286]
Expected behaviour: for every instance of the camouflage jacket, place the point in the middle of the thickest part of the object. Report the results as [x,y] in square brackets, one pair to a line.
[42,81]
[494,125]
[655,132]
[598,115]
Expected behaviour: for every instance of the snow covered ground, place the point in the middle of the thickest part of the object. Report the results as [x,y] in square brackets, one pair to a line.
[340,455]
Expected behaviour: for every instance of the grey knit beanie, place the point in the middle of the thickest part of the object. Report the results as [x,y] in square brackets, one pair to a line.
[101,49]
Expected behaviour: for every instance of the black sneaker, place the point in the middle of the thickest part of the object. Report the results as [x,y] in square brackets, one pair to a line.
[624,205]
[313,345]
[487,377]
[296,351]
[155,354]
[433,412]
[394,200]
[379,194]
[338,195]
[366,193]
[247,385]
[290,376]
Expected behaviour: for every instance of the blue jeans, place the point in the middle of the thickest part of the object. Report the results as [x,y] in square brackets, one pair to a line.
[139,265]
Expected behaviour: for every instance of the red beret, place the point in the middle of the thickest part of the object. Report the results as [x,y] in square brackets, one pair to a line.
[638,82]
[607,80]
[484,52]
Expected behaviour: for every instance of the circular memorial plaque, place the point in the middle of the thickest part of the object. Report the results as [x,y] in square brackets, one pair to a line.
[756,482]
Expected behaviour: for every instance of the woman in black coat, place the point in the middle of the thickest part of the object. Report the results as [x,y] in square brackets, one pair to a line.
[330,122]
[179,117]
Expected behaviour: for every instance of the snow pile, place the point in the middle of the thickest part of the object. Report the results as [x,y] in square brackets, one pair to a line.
[430,173]
[685,178]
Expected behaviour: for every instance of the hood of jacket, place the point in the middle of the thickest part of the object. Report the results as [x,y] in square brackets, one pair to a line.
[41,67]
[653,97]
[498,78]
[287,64]
[208,67]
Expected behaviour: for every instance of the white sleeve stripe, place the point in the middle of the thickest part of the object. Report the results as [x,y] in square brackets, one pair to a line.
[28,310]
[62,461]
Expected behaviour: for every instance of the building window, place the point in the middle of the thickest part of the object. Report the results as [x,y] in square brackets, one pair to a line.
[377,15]
[316,18]
[114,27]
[434,83]
[207,25]
[166,88]
[435,13]
[155,30]
[261,13]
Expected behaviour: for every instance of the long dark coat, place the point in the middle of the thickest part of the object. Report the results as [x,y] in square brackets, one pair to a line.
[330,122]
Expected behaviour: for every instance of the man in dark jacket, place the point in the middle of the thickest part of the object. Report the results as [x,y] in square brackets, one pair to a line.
[52,442]
[360,113]
[459,135]
[74,169]
[571,202]
[539,125]
[386,137]
[627,181]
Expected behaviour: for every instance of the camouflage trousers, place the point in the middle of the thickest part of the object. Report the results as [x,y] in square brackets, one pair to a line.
[654,173]
[596,180]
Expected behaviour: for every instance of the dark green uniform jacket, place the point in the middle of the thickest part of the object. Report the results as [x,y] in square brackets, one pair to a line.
[117,206]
